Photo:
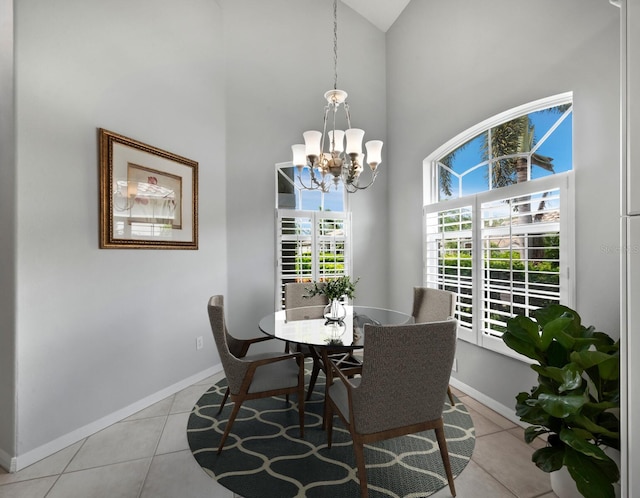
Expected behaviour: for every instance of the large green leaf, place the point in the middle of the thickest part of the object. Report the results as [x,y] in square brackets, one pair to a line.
[561,406]
[595,408]
[553,373]
[608,365]
[557,355]
[569,377]
[524,328]
[524,347]
[605,343]
[533,431]
[593,477]
[583,343]
[578,440]
[588,359]
[530,412]
[610,369]
[549,458]
[588,424]
[566,340]
[612,423]
[551,312]
[553,329]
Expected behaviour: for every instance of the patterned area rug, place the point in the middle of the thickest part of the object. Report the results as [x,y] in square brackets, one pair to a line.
[265,458]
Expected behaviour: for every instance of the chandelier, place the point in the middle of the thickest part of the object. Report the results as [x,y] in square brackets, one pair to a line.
[338,162]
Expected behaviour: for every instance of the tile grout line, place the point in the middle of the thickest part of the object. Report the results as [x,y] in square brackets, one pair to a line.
[155,451]
[53,485]
[495,478]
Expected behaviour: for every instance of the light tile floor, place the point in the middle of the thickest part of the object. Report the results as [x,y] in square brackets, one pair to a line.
[147,456]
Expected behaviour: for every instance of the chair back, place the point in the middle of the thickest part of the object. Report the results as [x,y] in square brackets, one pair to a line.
[234,369]
[294,297]
[405,375]
[432,305]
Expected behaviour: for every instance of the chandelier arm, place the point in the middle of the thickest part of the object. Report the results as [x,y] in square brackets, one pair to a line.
[332,145]
[319,185]
[354,186]
[347,114]
[324,131]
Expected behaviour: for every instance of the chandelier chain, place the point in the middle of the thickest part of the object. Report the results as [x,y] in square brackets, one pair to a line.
[335,44]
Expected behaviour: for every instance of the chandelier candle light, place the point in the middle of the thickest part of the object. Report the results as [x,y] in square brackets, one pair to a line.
[343,163]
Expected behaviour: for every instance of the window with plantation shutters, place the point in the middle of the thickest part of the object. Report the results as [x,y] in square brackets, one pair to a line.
[313,246]
[520,256]
[448,257]
[313,233]
[498,218]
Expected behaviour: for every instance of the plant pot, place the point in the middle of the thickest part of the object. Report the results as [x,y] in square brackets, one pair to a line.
[564,486]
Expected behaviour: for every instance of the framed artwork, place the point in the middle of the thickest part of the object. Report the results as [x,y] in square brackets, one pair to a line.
[148,196]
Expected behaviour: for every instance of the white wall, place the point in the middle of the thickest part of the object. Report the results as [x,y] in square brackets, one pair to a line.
[453,64]
[100,330]
[277,74]
[7,237]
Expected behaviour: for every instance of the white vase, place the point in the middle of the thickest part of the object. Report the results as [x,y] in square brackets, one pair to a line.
[335,311]
[564,486]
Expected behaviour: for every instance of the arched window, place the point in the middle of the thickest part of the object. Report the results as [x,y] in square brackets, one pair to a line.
[498,217]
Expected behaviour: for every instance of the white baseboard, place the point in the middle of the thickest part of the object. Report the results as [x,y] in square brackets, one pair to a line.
[48,449]
[505,411]
[7,462]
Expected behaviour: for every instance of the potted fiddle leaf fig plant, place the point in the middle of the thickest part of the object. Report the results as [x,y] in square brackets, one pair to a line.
[576,402]
[334,290]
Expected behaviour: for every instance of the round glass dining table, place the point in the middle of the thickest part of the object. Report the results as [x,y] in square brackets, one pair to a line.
[308,326]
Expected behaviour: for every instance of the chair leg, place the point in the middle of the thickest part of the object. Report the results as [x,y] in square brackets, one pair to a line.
[224,400]
[444,453]
[358,448]
[314,376]
[301,410]
[450,394]
[328,416]
[232,418]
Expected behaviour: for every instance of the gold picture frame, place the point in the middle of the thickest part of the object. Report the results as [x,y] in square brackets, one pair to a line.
[148,196]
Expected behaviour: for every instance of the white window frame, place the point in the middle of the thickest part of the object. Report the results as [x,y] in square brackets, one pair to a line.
[314,238]
[562,181]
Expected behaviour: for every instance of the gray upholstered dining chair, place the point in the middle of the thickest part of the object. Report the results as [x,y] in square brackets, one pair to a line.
[299,306]
[249,377]
[401,391]
[434,305]
[296,296]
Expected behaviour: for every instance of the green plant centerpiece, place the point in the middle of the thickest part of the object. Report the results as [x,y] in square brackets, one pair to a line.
[577,399]
[334,290]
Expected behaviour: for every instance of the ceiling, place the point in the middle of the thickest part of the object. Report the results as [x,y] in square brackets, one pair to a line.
[381,13]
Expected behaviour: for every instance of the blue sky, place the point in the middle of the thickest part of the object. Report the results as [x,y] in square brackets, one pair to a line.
[312,200]
[558,146]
